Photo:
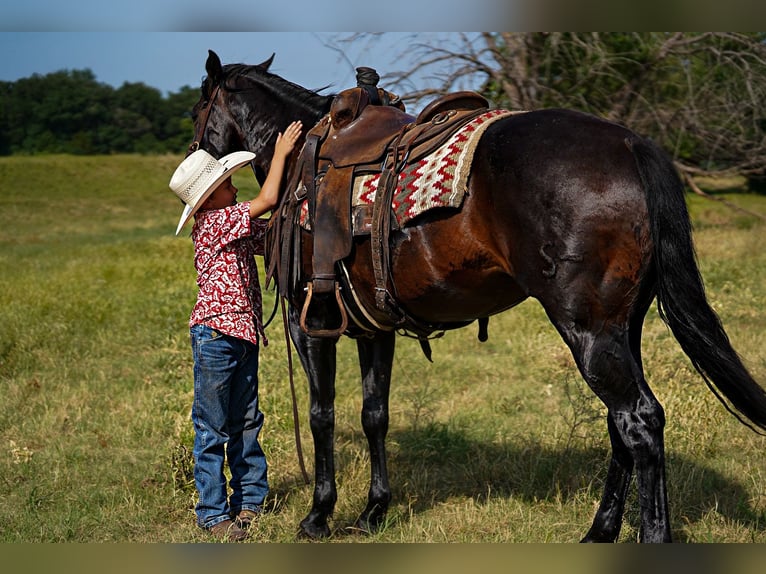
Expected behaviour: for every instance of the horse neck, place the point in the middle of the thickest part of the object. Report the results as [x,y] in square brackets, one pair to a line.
[262,123]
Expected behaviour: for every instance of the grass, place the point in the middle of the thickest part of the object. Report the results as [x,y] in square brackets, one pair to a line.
[494,442]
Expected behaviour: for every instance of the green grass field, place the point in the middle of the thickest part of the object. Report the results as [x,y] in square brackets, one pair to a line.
[494,442]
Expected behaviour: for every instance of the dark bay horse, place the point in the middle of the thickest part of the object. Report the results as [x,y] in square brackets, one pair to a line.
[581,214]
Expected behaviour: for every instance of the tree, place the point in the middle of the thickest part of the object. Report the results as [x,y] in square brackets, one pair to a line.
[5,118]
[178,127]
[138,113]
[702,96]
[71,112]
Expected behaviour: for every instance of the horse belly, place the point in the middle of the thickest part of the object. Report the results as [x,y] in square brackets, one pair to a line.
[440,276]
[460,295]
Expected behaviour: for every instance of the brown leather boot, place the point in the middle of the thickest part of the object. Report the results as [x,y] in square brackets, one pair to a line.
[246,518]
[228,531]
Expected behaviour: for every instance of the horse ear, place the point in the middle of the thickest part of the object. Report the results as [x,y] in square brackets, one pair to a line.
[266,63]
[213,67]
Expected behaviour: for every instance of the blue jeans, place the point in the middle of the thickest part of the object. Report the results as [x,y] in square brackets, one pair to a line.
[226,420]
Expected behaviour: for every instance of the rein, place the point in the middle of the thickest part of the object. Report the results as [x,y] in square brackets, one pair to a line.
[296,427]
[194,146]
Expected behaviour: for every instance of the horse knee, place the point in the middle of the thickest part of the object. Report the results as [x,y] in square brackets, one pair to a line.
[374,416]
[321,421]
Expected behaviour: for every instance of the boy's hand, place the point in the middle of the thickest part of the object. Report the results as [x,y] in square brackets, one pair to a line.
[269,195]
[286,141]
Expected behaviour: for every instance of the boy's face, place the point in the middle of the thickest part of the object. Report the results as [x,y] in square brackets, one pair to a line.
[224,195]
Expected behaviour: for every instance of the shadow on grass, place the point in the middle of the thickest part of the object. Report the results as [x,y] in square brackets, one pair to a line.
[436,463]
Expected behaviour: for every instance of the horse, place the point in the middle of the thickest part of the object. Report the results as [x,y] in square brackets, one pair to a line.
[579,213]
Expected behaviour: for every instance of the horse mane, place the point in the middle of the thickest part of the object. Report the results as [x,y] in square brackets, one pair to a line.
[281,89]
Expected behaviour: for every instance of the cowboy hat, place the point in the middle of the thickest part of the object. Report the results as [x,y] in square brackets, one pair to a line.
[199,175]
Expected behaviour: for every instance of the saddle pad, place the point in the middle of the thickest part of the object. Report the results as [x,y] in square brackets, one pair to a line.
[438,180]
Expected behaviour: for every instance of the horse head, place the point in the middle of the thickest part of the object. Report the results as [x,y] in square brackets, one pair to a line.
[241,107]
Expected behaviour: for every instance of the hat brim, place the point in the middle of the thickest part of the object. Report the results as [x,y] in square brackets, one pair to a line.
[231,163]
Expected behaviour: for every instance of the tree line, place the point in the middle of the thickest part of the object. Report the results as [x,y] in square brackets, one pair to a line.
[69,111]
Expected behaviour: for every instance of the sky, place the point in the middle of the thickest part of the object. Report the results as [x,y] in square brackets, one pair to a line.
[170,60]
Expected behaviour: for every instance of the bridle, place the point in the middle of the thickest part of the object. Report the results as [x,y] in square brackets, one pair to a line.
[204,116]
[194,146]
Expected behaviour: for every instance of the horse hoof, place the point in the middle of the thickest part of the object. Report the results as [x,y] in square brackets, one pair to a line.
[312,531]
[594,538]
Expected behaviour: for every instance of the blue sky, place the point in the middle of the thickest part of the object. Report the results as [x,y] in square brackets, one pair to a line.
[170,60]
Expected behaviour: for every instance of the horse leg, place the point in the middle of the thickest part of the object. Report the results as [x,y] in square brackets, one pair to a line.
[641,429]
[608,520]
[376,357]
[636,421]
[318,358]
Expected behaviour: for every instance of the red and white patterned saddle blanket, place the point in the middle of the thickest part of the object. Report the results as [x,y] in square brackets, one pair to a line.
[438,180]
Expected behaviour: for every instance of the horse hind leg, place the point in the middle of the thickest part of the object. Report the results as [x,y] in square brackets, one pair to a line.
[635,421]
[608,520]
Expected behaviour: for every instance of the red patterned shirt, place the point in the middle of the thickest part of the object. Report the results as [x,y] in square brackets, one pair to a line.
[229,299]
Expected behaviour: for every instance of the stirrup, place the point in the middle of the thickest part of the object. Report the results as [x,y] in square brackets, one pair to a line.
[335,333]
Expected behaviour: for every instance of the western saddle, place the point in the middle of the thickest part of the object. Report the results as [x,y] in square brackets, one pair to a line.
[359,135]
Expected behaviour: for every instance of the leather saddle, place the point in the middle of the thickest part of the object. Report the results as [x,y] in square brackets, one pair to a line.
[360,134]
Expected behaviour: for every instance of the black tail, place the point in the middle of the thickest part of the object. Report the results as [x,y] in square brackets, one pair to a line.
[681,299]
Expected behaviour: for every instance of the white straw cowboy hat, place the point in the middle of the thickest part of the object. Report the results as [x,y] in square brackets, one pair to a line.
[199,175]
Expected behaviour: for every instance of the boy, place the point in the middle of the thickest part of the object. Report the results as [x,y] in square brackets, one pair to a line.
[225,328]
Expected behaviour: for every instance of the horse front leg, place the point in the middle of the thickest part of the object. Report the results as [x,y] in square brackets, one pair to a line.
[376,357]
[318,358]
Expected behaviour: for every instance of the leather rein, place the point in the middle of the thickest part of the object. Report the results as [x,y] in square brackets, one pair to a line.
[194,146]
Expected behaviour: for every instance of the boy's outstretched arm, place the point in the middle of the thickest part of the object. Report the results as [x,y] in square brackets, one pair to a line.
[269,195]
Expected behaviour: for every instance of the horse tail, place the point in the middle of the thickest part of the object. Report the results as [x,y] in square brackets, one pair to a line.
[681,299]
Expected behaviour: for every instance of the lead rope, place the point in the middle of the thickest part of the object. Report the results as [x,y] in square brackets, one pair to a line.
[296,423]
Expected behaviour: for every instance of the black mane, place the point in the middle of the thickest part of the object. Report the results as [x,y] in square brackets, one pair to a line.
[281,89]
